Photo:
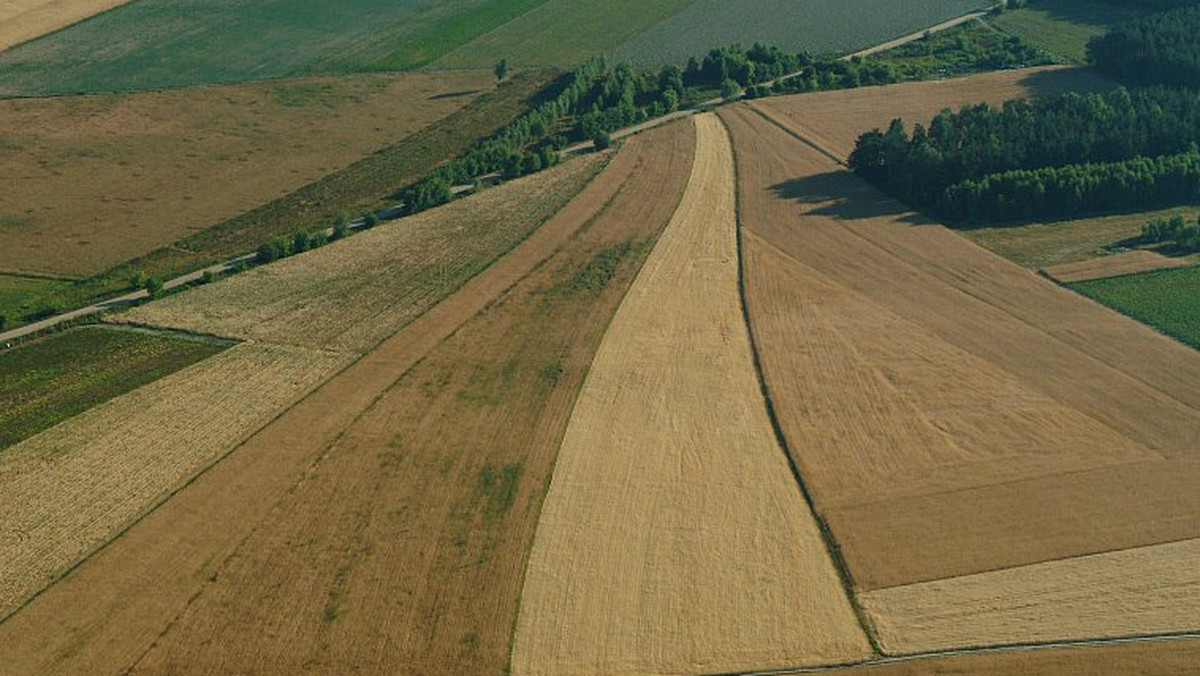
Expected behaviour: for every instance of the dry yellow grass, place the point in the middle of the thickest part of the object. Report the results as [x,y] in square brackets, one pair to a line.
[92,181]
[22,20]
[66,491]
[354,293]
[1127,263]
[1149,590]
[674,538]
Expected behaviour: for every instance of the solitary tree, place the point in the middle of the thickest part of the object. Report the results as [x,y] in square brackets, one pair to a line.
[602,140]
[501,69]
[153,286]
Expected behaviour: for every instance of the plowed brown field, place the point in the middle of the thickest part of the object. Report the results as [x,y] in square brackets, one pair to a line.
[354,293]
[92,181]
[66,491]
[674,538]
[834,120]
[22,20]
[382,524]
[1128,263]
[954,413]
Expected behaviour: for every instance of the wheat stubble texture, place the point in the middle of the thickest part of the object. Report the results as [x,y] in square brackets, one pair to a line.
[674,538]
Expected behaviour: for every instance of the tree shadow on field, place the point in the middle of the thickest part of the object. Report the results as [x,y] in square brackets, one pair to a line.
[1062,80]
[843,196]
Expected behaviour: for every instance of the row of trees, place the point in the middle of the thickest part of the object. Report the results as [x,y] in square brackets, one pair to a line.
[1174,231]
[980,140]
[1055,192]
[1161,49]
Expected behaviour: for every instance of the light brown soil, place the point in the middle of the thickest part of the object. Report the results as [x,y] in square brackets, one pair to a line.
[354,293]
[674,537]
[834,120]
[1127,263]
[69,489]
[1151,658]
[1149,590]
[92,181]
[953,413]
[362,516]
[22,20]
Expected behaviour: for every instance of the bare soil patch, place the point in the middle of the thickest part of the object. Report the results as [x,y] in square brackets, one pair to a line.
[97,180]
[674,537]
[22,20]
[834,120]
[354,293]
[1127,263]
[429,583]
[954,413]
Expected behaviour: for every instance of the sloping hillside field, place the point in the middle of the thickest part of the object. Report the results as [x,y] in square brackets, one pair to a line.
[956,415]
[22,20]
[700,554]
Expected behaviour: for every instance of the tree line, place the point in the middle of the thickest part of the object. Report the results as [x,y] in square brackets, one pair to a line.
[1160,49]
[1019,145]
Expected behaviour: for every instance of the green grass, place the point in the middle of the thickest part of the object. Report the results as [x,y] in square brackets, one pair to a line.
[1168,300]
[967,48]
[1063,27]
[22,296]
[156,44]
[46,381]
[818,26]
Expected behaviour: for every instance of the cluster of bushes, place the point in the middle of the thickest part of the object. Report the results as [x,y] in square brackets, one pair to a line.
[1160,49]
[1174,231]
[1000,152]
[1054,192]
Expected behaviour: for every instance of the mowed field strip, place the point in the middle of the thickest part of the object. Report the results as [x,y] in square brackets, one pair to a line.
[67,490]
[431,598]
[98,180]
[674,538]
[22,20]
[953,413]
[1127,263]
[1148,590]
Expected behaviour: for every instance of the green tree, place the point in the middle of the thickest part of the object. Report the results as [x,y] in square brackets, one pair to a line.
[501,69]
[602,140]
[153,286]
[729,89]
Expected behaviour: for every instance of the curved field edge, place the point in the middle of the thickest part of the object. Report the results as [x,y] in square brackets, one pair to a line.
[45,382]
[68,490]
[101,619]
[699,552]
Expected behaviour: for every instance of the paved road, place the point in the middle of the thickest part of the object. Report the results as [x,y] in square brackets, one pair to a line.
[398,209]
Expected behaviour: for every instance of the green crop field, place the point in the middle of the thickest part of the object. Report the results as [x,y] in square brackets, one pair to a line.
[1168,300]
[153,44]
[47,381]
[1063,27]
[19,295]
[818,26]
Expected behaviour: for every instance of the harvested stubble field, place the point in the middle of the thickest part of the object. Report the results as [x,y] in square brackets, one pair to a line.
[817,26]
[49,380]
[22,20]
[410,518]
[953,413]
[352,294]
[1126,263]
[98,180]
[699,552]
[68,490]
[834,120]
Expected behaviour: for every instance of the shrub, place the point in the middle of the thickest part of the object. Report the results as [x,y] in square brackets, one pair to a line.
[602,140]
[269,252]
[153,286]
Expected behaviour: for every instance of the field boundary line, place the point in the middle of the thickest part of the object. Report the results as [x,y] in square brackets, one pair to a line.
[797,135]
[831,544]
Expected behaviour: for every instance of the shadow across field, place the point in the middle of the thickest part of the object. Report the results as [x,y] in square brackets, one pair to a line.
[1061,81]
[840,195]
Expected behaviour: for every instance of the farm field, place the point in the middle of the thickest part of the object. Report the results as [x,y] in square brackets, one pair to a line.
[187,547]
[1148,590]
[1164,299]
[834,120]
[817,26]
[166,44]
[49,380]
[148,169]
[1126,263]
[352,294]
[71,488]
[22,20]
[977,389]
[700,553]
[1047,245]
[1063,27]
